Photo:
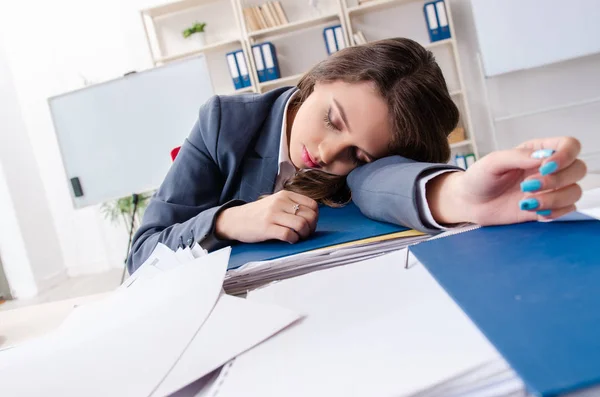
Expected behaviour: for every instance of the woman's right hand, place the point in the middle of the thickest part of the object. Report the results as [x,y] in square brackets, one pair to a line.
[271,218]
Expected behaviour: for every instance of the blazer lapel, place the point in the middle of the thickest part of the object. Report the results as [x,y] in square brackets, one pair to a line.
[259,169]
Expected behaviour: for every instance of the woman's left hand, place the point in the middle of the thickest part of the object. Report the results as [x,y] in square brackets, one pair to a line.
[512,186]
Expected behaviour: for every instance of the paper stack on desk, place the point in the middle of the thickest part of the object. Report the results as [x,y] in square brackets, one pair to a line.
[372,328]
[164,329]
[343,236]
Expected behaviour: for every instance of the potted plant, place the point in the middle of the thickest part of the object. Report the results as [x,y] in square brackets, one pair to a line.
[122,209]
[198,30]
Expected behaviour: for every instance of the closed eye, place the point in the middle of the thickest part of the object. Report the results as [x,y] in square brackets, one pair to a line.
[328,123]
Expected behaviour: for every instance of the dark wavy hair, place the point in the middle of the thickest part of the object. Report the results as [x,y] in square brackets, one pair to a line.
[406,75]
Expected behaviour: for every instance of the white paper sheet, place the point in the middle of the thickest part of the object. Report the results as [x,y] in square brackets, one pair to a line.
[123,345]
[234,326]
[372,328]
[161,259]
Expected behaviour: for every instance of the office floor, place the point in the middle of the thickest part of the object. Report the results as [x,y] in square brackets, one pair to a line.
[71,288]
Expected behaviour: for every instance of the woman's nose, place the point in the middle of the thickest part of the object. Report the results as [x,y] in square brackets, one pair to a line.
[330,149]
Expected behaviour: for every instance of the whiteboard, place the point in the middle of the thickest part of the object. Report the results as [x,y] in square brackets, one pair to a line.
[522,34]
[116,137]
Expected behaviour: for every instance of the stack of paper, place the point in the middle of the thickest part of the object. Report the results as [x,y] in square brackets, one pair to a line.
[254,274]
[343,235]
[372,329]
[151,337]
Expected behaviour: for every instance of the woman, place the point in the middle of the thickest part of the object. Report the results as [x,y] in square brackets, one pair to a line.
[372,120]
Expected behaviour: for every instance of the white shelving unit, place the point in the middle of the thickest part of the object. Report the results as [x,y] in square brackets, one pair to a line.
[379,19]
[299,44]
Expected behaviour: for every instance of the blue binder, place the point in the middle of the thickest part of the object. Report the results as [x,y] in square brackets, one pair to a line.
[442,17]
[534,290]
[259,61]
[271,63]
[331,43]
[234,71]
[335,226]
[243,68]
[433,24]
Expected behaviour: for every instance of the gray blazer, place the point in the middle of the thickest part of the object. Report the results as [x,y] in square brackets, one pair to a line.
[231,158]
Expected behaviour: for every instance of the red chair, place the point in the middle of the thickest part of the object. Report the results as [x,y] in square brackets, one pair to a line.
[175,152]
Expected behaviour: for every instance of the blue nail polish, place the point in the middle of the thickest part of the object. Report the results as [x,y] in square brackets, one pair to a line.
[544,212]
[548,168]
[542,154]
[531,185]
[529,204]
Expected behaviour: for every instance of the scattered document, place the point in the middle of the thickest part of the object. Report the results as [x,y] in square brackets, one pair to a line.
[236,325]
[153,337]
[123,345]
[372,328]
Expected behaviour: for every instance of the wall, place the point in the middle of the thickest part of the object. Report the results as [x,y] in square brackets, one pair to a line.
[527,91]
[73,41]
[31,254]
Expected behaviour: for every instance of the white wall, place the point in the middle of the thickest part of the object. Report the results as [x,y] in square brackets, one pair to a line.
[530,90]
[30,250]
[51,46]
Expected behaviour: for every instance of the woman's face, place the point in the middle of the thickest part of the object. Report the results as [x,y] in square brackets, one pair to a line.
[339,127]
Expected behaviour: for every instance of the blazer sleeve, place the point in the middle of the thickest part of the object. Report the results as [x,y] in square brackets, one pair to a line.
[387,190]
[185,206]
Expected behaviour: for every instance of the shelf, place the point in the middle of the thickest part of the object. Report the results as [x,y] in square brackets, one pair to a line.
[376,5]
[282,80]
[441,43]
[460,144]
[172,8]
[305,23]
[210,47]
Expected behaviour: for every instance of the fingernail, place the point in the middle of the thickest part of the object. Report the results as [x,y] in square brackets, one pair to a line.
[542,153]
[548,168]
[529,204]
[544,212]
[531,185]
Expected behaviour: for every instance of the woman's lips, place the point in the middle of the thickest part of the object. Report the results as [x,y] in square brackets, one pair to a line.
[308,160]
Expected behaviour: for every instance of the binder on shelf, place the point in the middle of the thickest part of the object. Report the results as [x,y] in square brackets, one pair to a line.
[260,63]
[251,21]
[268,16]
[270,59]
[432,22]
[273,13]
[281,13]
[442,17]
[262,22]
[234,72]
[329,36]
[470,159]
[460,161]
[243,68]
[339,38]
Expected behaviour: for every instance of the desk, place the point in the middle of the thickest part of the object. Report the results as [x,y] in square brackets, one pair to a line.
[20,325]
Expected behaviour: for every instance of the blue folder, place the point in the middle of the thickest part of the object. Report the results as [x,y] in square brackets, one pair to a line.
[431,19]
[271,63]
[335,226]
[534,290]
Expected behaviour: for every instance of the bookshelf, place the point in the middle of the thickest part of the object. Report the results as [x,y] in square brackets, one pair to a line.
[298,39]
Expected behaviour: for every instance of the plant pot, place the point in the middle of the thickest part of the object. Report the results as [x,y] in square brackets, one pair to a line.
[201,38]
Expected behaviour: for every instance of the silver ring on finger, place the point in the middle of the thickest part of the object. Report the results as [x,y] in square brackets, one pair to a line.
[295,208]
